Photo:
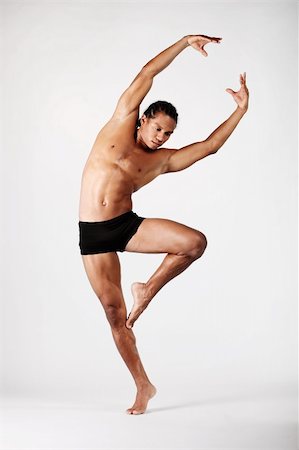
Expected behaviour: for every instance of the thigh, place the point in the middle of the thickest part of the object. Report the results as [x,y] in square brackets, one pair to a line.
[104,274]
[162,236]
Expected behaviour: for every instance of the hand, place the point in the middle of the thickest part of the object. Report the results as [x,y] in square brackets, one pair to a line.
[242,96]
[199,41]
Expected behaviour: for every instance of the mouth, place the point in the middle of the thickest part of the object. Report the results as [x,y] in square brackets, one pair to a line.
[156,143]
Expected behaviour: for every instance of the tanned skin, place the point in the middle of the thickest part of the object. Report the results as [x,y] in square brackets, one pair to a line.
[118,165]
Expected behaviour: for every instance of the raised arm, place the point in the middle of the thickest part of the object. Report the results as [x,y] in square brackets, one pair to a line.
[130,100]
[186,156]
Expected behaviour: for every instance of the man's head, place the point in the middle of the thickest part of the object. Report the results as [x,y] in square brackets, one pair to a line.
[157,124]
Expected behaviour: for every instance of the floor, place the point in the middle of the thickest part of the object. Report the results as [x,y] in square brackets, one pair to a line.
[234,417]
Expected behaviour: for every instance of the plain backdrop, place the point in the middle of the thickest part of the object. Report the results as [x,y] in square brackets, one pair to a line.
[231,318]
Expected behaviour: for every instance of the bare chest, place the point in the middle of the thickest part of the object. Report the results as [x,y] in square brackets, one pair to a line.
[137,165]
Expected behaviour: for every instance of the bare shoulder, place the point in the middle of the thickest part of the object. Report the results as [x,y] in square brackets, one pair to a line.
[119,127]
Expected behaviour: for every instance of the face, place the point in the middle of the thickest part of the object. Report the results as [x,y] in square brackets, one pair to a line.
[156,131]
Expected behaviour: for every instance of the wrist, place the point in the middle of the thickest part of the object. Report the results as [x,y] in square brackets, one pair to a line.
[242,110]
[185,39]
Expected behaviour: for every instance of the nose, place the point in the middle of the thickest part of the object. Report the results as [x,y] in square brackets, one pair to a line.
[159,138]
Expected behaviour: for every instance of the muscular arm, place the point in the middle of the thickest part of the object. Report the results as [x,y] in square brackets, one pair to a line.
[130,100]
[222,133]
[132,97]
[186,156]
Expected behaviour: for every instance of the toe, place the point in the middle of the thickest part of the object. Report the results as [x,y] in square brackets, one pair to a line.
[136,412]
[129,324]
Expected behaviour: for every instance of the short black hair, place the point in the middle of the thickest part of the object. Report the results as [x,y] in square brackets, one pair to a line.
[160,106]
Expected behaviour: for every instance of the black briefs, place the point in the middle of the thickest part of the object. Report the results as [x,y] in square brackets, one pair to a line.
[109,235]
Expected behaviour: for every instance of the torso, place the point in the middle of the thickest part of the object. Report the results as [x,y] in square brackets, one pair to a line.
[116,167]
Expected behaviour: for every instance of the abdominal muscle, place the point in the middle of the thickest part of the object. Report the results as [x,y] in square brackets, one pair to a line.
[106,191]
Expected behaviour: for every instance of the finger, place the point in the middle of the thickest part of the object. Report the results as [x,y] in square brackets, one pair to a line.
[204,36]
[196,46]
[210,39]
[203,50]
[241,79]
[230,91]
[214,38]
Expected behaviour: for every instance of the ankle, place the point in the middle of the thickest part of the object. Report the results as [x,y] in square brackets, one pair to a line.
[142,384]
[149,292]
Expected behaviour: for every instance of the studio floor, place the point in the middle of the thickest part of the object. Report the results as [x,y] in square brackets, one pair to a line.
[234,417]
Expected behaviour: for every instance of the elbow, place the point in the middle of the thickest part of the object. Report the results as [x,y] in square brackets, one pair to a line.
[148,70]
[213,147]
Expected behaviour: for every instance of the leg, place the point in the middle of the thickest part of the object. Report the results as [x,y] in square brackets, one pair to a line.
[182,244]
[103,272]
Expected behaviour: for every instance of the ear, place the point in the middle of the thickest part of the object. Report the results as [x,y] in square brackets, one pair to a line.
[143,118]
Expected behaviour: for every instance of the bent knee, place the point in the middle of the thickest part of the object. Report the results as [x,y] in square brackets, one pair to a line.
[115,315]
[198,244]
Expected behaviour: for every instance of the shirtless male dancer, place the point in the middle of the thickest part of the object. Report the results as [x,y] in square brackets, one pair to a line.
[126,155]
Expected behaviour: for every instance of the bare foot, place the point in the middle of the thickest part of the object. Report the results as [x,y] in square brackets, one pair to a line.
[140,303]
[144,394]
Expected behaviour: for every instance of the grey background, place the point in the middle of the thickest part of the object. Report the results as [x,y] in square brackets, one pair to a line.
[225,327]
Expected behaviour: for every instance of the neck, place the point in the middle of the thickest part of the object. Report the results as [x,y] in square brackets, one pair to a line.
[140,141]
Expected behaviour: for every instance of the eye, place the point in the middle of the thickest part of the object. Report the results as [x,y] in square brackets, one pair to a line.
[158,129]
